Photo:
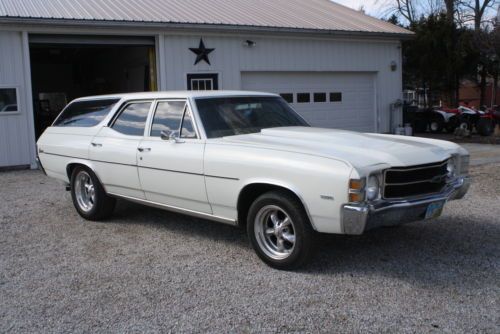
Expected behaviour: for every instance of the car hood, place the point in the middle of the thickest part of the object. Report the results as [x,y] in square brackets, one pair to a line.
[358,149]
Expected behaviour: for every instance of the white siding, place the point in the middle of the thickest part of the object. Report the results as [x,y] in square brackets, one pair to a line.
[15,130]
[230,58]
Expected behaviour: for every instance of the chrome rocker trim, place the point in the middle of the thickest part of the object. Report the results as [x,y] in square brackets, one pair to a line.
[358,218]
[176,209]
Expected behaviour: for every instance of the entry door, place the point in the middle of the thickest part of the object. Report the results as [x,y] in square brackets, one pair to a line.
[114,150]
[171,171]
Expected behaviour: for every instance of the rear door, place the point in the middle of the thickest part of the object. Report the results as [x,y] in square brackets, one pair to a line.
[171,171]
[114,150]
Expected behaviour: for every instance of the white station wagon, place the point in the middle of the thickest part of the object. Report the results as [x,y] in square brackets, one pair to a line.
[247,159]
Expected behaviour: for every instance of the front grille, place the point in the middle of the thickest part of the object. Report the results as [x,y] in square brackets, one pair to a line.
[412,181]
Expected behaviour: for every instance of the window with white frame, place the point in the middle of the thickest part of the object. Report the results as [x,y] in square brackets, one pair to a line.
[202,81]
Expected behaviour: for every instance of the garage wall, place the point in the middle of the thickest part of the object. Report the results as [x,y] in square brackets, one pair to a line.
[231,57]
[16,134]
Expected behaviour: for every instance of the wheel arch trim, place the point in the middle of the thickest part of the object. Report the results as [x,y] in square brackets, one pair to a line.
[280,184]
[87,164]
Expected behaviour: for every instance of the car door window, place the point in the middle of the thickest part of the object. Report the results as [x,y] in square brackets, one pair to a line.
[187,130]
[132,119]
[167,117]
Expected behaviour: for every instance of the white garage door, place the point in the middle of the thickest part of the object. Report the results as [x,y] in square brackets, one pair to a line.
[330,99]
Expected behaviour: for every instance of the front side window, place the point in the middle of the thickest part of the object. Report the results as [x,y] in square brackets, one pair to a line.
[187,130]
[132,119]
[167,117]
[231,116]
[172,116]
[85,113]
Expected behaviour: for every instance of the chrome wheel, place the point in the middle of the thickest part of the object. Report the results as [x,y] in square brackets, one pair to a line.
[274,232]
[84,191]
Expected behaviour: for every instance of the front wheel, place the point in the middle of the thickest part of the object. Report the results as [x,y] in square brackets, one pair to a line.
[280,231]
[88,195]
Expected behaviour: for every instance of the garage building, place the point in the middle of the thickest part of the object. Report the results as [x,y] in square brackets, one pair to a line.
[337,67]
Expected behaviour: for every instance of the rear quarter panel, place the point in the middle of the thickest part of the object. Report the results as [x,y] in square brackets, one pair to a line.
[59,146]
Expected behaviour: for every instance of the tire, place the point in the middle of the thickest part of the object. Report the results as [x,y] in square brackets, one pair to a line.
[279,230]
[465,122]
[88,195]
[485,127]
[452,124]
[436,124]
[420,126]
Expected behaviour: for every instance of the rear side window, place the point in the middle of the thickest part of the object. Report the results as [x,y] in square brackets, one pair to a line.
[85,113]
[132,119]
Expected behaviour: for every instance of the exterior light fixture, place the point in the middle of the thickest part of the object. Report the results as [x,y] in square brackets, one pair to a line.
[394,66]
[249,43]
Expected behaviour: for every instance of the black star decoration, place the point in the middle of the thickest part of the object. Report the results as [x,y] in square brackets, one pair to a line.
[201,53]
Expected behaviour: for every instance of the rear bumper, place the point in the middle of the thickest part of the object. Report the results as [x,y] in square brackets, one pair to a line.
[357,219]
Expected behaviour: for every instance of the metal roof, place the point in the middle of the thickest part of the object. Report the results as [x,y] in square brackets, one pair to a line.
[314,15]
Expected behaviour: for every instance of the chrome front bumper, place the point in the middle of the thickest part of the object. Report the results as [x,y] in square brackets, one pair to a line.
[358,218]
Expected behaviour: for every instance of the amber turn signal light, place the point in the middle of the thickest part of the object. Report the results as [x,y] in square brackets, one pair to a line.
[356,197]
[356,184]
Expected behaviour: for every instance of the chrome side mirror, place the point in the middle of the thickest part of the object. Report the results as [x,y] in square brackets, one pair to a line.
[165,135]
[171,136]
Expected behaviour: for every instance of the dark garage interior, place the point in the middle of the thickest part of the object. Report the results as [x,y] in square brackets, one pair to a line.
[63,72]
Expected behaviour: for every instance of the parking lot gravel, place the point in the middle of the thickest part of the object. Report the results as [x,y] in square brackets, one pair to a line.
[148,270]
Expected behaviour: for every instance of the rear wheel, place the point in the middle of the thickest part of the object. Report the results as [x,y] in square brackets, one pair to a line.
[88,195]
[279,230]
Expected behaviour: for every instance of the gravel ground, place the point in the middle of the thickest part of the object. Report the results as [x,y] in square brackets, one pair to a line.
[148,270]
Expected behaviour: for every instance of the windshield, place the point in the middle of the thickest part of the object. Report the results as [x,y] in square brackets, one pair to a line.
[229,116]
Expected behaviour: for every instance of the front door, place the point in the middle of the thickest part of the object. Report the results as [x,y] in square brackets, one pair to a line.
[171,171]
[114,150]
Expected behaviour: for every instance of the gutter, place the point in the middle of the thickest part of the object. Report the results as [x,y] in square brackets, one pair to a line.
[210,27]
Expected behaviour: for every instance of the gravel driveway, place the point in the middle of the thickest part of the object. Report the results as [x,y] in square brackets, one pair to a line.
[155,271]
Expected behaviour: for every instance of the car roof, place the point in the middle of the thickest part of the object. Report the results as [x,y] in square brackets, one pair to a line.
[184,94]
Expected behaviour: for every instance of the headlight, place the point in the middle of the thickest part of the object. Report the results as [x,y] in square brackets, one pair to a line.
[372,188]
[451,168]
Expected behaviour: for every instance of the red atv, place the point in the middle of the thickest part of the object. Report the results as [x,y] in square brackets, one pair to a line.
[450,119]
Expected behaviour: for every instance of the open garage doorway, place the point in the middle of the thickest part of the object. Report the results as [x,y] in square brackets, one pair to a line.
[64,68]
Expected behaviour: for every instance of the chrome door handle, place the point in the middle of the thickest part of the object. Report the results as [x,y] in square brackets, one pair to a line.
[96,144]
[144,149]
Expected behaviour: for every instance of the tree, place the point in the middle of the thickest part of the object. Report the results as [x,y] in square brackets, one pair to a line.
[475,11]
[436,58]
[413,10]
